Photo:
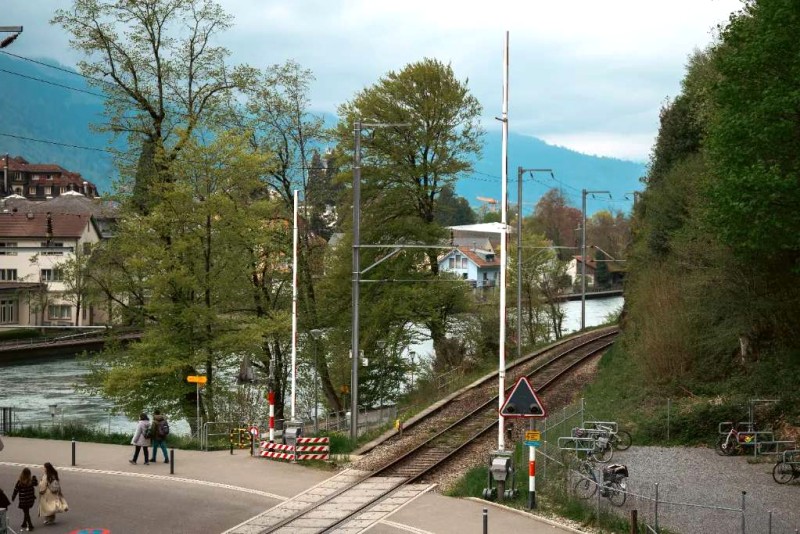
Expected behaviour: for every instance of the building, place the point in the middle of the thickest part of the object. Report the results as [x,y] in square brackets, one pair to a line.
[33,287]
[575,269]
[483,236]
[104,212]
[480,267]
[40,181]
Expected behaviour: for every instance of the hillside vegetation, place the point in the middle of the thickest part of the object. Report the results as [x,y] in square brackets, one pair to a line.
[712,298]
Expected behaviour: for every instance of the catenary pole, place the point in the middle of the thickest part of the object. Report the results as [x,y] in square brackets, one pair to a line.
[584,192]
[356,278]
[294,306]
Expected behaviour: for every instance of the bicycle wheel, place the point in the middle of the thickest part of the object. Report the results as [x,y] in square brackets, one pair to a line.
[623,441]
[586,485]
[604,454]
[616,494]
[725,447]
[783,472]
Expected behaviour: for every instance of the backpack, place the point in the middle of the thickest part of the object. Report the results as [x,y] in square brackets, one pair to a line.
[163,429]
[148,433]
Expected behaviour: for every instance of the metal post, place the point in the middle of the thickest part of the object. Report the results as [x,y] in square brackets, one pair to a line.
[197,386]
[316,390]
[294,307]
[531,477]
[73,452]
[769,522]
[656,509]
[356,278]
[634,521]
[744,493]
[519,262]
[172,459]
[485,521]
[583,260]
[669,407]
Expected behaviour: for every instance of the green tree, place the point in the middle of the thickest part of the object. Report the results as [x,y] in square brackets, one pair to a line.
[453,210]
[157,62]
[433,135]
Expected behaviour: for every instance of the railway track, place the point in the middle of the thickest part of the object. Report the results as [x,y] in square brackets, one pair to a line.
[356,497]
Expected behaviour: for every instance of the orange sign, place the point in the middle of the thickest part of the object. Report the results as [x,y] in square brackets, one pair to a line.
[197,379]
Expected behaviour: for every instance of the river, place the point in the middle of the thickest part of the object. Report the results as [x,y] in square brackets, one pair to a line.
[31,387]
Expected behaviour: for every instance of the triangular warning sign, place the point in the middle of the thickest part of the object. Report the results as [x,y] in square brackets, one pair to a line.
[523,402]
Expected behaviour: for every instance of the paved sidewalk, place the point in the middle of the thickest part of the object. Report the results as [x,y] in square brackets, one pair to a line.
[272,481]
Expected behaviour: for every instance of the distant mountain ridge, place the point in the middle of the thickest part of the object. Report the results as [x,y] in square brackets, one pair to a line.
[40,110]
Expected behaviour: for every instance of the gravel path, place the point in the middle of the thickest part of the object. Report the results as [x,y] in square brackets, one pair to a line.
[699,477]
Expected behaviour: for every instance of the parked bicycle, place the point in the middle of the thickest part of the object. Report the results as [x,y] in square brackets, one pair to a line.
[594,442]
[733,438]
[619,439]
[787,468]
[613,486]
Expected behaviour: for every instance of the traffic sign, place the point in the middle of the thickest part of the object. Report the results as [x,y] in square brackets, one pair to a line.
[533,435]
[197,379]
[254,430]
[523,402]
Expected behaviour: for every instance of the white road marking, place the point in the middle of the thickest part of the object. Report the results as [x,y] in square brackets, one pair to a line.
[160,477]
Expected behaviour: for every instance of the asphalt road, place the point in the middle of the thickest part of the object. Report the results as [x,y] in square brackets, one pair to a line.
[140,505]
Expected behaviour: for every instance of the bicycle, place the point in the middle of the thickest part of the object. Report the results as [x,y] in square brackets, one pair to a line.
[733,440]
[619,439]
[596,443]
[613,487]
[787,468]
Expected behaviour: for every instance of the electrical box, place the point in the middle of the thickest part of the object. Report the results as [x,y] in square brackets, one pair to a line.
[500,468]
[291,434]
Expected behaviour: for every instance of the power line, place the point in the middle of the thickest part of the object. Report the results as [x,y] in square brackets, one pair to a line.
[68,145]
[42,80]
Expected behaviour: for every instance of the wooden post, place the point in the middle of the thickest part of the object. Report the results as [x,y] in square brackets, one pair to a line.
[634,522]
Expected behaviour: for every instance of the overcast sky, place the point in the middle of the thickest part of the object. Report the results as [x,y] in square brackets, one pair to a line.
[584,74]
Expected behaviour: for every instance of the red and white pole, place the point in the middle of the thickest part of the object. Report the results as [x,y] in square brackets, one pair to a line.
[271,399]
[531,477]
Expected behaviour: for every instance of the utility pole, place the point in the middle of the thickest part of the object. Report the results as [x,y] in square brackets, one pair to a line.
[520,172]
[354,351]
[584,192]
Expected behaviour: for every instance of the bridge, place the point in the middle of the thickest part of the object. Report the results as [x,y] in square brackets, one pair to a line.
[68,345]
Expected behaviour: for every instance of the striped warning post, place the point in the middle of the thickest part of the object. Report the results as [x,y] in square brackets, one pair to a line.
[322,441]
[300,448]
[308,449]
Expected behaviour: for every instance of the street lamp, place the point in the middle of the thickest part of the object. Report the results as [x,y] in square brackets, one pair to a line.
[16,30]
[316,334]
[357,128]
[584,192]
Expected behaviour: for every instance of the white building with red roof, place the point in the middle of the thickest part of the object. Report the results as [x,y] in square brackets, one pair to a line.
[33,247]
[481,267]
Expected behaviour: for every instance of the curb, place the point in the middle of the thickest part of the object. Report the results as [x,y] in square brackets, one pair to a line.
[529,515]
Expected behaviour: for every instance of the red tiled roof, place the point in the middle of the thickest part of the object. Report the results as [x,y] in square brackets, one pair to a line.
[475,258]
[589,263]
[66,177]
[27,225]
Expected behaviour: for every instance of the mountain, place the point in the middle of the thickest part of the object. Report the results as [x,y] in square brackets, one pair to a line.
[573,172]
[35,105]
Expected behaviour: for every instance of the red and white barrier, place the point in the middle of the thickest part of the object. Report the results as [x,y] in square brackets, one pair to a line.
[319,450]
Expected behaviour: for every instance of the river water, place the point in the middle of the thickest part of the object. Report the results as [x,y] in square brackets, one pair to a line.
[31,387]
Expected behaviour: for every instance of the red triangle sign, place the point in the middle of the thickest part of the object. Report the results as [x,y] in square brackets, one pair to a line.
[523,402]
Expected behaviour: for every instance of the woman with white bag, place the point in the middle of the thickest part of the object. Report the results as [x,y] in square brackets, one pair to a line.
[51,500]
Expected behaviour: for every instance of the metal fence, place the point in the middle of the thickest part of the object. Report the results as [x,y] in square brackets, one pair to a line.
[659,504]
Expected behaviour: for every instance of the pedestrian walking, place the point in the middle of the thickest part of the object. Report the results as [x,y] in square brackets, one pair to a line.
[51,498]
[26,489]
[160,431]
[141,438]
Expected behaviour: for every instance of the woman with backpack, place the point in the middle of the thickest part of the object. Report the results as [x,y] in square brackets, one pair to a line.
[141,438]
[51,500]
[160,431]
[26,489]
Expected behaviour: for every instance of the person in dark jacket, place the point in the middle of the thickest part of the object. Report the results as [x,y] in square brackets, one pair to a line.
[159,437]
[26,489]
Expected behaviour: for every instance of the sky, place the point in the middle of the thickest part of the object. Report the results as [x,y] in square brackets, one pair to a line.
[586,75]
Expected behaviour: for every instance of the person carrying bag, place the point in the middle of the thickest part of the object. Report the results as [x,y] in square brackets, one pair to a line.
[51,500]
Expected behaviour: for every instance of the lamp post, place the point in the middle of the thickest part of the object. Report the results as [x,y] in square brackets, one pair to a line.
[520,172]
[316,334]
[16,30]
[584,192]
[357,128]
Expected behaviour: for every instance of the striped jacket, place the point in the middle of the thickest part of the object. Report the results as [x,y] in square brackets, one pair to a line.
[27,494]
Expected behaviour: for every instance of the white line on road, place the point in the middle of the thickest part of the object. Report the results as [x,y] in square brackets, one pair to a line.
[160,477]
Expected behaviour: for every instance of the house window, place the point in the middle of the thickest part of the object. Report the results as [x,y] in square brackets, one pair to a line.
[7,244]
[463,263]
[35,178]
[59,311]
[52,275]
[8,274]
[52,252]
[48,190]
[451,263]
[49,176]
[8,311]
[32,190]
